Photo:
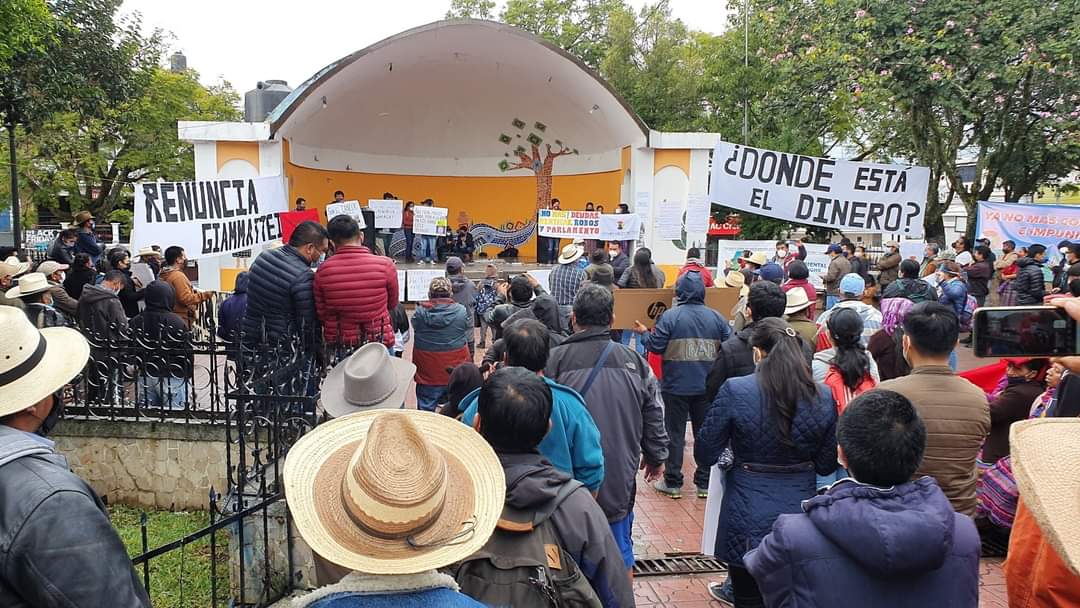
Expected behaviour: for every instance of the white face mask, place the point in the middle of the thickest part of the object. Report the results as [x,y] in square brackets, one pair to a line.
[781,253]
[1063,249]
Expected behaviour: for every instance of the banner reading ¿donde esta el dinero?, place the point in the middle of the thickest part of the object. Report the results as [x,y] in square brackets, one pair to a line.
[209,218]
[839,194]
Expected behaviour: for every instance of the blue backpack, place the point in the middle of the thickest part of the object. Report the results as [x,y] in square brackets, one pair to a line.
[486,297]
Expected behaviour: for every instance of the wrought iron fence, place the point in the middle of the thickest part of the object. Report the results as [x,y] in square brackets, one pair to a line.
[263,391]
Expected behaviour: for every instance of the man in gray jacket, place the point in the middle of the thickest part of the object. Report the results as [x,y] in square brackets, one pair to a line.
[623,396]
[58,547]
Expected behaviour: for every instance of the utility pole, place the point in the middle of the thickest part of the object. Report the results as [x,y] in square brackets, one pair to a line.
[746,64]
[16,229]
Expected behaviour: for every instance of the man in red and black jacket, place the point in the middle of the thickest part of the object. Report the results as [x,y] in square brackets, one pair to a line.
[441,328]
[355,289]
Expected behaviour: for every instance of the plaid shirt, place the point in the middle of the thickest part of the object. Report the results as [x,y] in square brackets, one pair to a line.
[565,282]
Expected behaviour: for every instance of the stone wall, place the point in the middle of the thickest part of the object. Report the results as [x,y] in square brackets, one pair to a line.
[163,465]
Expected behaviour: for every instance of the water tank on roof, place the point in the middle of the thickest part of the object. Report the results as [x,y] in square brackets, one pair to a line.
[260,101]
[177,62]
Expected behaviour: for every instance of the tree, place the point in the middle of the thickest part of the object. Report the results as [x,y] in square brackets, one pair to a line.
[96,160]
[25,26]
[470,9]
[540,163]
[578,26]
[990,80]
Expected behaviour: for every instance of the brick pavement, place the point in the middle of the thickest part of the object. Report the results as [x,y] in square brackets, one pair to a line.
[663,525]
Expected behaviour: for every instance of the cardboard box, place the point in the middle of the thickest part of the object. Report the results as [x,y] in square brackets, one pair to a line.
[646,305]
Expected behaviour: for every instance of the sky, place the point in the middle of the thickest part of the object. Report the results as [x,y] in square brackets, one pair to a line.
[245,41]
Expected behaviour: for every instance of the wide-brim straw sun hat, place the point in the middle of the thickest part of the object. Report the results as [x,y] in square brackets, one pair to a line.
[146,252]
[736,279]
[796,300]
[1046,461]
[13,267]
[394,492]
[34,364]
[369,379]
[756,258]
[29,284]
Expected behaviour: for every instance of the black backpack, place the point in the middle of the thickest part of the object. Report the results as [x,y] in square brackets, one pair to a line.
[524,565]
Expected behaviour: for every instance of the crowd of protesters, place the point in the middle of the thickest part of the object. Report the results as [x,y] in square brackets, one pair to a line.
[856,466]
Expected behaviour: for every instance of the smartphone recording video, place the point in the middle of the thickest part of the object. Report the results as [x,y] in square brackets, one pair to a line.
[1025,331]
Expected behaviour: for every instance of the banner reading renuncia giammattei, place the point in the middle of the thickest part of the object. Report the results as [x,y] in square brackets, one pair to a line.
[211,217]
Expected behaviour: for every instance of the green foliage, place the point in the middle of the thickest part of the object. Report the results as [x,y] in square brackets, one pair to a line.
[96,159]
[25,26]
[470,9]
[579,26]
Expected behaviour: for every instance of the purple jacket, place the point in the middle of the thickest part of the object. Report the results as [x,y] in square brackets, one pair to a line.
[860,545]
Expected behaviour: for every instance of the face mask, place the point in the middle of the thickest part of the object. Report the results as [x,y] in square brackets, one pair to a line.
[858,254]
[50,421]
[613,253]
[1063,249]
[941,277]
[781,253]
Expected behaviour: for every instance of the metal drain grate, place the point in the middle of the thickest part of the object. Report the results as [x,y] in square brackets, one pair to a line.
[678,563]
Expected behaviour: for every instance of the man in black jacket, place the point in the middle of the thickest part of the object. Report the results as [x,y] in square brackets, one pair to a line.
[62,250]
[517,296]
[100,313]
[58,548]
[1030,283]
[624,399]
[514,415]
[167,367]
[281,303]
[736,358]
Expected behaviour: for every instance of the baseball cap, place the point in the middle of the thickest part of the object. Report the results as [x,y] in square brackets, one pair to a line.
[771,272]
[835,248]
[853,284]
[50,266]
[454,265]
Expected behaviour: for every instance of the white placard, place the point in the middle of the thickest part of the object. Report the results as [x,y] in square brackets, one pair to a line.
[387,212]
[669,225]
[838,194]
[350,208]
[912,250]
[209,218]
[542,276]
[816,261]
[401,285]
[620,227]
[142,272]
[698,209]
[429,220]
[418,282]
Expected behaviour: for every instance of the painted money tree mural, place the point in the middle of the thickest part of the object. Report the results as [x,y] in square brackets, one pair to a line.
[532,158]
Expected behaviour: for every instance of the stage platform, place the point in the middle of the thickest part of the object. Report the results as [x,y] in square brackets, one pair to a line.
[475,270]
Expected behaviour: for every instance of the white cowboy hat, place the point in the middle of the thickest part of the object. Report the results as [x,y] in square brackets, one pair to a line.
[796,301]
[12,267]
[32,283]
[570,254]
[34,364]
[394,492]
[147,252]
[369,379]
[1046,462]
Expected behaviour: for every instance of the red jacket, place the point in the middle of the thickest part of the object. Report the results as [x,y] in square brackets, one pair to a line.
[706,276]
[356,288]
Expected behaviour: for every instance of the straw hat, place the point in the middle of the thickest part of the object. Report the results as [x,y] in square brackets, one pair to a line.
[29,284]
[736,279]
[570,254]
[757,258]
[147,252]
[1046,461]
[369,379]
[34,364]
[892,244]
[81,217]
[394,492]
[12,267]
[796,301]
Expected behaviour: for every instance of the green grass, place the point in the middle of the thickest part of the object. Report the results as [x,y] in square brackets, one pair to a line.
[191,564]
